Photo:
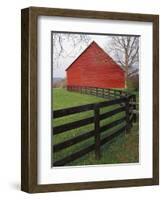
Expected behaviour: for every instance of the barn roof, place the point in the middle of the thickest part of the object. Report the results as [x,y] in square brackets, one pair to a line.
[110,59]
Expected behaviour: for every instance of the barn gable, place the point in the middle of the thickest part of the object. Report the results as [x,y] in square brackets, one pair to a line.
[94,67]
[98,51]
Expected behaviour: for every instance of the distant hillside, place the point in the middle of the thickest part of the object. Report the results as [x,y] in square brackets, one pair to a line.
[59,82]
[57,79]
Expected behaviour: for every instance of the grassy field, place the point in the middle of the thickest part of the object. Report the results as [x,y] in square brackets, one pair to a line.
[122,150]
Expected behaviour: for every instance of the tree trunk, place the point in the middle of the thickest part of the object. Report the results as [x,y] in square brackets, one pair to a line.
[126,68]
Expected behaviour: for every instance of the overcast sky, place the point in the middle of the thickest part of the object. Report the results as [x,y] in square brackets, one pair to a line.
[63,62]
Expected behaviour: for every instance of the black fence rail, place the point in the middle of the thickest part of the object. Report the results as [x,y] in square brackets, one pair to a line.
[100,92]
[127,107]
[107,93]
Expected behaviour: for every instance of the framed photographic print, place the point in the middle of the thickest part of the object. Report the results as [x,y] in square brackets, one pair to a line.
[90,99]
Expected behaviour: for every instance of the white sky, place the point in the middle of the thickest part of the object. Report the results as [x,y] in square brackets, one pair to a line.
[59,71]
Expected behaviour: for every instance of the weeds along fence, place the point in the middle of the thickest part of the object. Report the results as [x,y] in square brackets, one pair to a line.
[125,104]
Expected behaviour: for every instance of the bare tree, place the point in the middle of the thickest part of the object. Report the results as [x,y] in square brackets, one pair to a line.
[67,45]
[125,50]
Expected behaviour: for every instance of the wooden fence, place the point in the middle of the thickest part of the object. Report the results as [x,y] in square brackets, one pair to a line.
[106,93]
[126,106]
[100,92]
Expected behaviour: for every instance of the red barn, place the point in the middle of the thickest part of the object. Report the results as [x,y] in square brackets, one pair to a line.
[95,68]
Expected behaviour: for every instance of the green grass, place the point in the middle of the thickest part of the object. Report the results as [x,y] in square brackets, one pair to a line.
[123,149]
[64,99]
[117,152]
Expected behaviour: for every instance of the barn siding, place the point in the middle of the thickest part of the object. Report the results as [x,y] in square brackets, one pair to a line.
[95,68]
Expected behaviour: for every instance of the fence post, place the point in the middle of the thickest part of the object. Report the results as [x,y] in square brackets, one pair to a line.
[127,115]
[97,132]
[134,107]
[91,91]
[114,93]
[96,92]
[105,95]
[103,92]
[108,92]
